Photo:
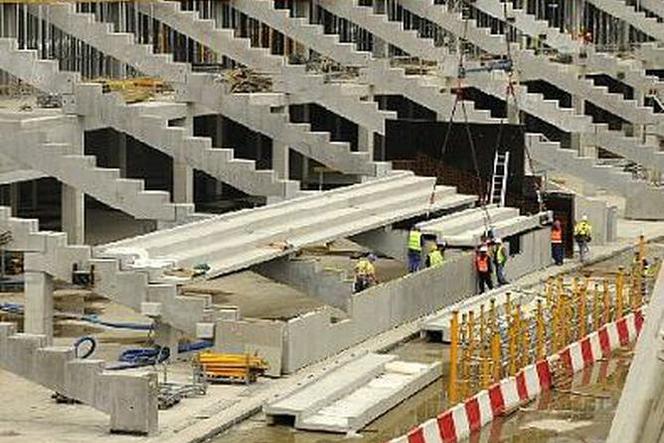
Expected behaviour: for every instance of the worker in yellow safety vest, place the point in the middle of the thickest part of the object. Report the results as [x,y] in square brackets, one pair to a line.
[414,249]
[435,257]
[365,273]
[583,235]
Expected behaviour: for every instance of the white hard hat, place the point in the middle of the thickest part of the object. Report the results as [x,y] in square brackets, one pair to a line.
[584,218]
[483,248]
[498,240]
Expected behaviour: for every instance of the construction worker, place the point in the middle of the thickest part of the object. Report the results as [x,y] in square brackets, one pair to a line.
[499,255]
[483,267]
[435,257]
[583,235]
[414,249]
[365,273]
[557,246]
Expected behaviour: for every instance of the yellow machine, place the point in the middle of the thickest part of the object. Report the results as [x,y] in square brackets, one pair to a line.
[231,368]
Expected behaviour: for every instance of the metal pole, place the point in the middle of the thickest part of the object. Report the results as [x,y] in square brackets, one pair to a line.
[454,356]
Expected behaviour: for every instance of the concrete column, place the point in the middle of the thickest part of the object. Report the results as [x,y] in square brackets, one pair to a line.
[39,304]
[280,157]
[73,214]
[122,154]
[380,48]
[183,174]
[72,201]
[365,142]
[183,182]
[14,194]
[513,114]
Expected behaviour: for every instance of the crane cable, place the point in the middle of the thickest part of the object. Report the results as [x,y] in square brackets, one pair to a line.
[510,92]
[458,98]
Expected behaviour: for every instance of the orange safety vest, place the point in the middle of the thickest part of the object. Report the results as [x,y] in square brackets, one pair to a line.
[482,263]
[556,235]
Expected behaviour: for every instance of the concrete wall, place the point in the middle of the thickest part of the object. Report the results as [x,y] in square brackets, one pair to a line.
[262,337]
[386,241]
[313,336]
[535,254]
[307,275]
[601,216]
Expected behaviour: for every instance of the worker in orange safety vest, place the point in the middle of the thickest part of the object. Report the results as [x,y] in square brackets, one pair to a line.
[557,246]
[483,268]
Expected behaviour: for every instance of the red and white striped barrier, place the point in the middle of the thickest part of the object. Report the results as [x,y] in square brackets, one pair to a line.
[470,416]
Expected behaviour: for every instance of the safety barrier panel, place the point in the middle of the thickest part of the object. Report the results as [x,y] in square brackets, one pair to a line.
[505,396]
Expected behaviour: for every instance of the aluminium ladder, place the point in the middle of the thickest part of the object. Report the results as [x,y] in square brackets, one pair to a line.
[499,178]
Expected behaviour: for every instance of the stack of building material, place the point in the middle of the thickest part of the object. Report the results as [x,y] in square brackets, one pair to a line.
[231,367]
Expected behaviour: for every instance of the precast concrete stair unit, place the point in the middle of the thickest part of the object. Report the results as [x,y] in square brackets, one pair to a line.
[59,160]
[348,398]
[148,123]
[467,228]
[129,398]
[384,79]
[632,71]
[627,13]
[300,85]
[49,252]
[528,24]
[236,241]
[642,201]
[393,32]
[252,112]
[567,120]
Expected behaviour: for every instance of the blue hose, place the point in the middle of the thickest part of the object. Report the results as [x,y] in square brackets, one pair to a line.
[195,346]
[11,308]
[134,326]
[89,352]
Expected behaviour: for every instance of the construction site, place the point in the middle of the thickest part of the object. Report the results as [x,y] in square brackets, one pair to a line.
[308,221]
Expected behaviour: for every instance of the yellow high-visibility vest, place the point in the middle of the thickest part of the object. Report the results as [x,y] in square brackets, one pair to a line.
[435,258]
[415,241]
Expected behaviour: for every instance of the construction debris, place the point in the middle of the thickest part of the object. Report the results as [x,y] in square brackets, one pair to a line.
[241,80]
[133,90]
[231,368]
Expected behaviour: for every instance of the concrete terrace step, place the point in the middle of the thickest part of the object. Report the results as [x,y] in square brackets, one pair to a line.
[81,172]
[400,381]
[298,223]
[130,399]
[354,394]
[641,199]
[629,14]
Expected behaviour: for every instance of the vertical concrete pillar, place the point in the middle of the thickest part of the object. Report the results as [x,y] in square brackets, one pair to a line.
[72,200]
[365,140]
[39,304]
[513,114]
[122,154]
[183,174]
[280,158]
[73,214]
[14,194]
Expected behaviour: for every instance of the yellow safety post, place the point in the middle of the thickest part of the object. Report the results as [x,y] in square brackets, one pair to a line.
[540,350]
[508,305]
[555,320]
[606,311]
[471,378]
[454,357]
[620,282]
[496,358]
[463,364]
[513,343]
[582,316]
[485,376]
[597,308]
[524,333]
[642,248]
[564,319]
[550,282]
[482,339]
